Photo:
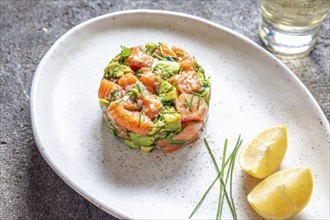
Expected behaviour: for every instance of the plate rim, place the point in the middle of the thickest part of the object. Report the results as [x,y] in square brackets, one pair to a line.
[35,128]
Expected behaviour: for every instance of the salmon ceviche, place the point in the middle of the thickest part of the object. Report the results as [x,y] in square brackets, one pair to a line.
[155,96]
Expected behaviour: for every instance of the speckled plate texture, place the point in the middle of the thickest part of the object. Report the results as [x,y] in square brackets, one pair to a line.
[252,90]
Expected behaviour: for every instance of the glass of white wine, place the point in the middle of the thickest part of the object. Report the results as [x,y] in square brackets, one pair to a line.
[291,27]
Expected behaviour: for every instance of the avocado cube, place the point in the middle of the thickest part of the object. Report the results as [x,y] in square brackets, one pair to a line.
[146,149]
[104,104]
[157,127]
[150,48]
[130,144]
[172,121]
[167,91]
[164,86]
[172,95]
[153,131]
[167,68]
[141,140]
[116,70]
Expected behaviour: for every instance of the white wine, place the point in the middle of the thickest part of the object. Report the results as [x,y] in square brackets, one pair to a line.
[295,15]
[291,26]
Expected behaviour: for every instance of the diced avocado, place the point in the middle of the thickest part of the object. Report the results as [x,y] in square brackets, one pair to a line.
[131,144]
[104,101]
[167,91]
[172,95]
[116,70]
[160,134]
[141,140]
[150,48]
[164,86]
[200,75]
[153,130]
[104,104]
[146,149]
[172,121]
[167,68]
[135,92]
[156,127]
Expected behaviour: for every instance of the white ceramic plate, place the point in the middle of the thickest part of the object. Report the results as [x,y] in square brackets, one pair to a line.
[252,90]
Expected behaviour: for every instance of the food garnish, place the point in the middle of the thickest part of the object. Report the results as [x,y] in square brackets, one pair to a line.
[283,194]
[263,155]
[224,176]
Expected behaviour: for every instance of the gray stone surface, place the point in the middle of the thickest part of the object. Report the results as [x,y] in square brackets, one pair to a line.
[30,189]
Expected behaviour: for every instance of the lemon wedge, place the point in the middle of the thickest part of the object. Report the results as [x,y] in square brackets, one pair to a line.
[283,194]
[263,155]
